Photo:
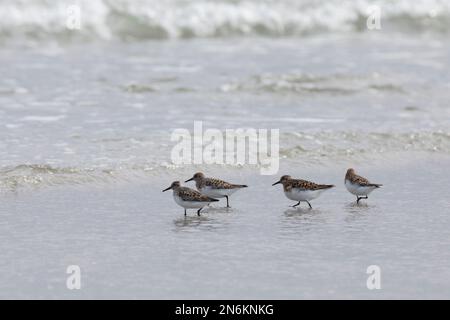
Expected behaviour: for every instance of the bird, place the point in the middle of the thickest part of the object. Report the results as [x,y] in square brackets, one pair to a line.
[189,198]
[301,190]
[215,188]
[359,186]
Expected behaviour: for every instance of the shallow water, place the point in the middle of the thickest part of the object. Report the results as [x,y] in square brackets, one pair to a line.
[86,119]
[99,112]
[132,241]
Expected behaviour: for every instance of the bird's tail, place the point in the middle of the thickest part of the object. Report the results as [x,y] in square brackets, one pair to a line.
[376,185]
[240,186]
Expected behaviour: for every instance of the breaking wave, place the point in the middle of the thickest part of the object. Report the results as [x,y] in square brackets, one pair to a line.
[331,146]
[295,147]
[127,20]
[304,83]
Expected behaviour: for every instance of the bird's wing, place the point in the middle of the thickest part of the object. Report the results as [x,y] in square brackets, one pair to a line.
[219,184]
[307,185]
[188,194]
[360,180]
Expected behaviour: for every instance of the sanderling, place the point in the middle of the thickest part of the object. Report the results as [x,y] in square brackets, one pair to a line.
[215,188]
[188,198]
[358,185]
[301,190]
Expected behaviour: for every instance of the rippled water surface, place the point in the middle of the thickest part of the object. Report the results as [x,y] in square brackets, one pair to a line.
[134,241]
[86,119]
[100,111]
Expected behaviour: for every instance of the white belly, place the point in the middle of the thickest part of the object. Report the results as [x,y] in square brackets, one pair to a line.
[216,193]
[358,190]
[189,204]
[303,195]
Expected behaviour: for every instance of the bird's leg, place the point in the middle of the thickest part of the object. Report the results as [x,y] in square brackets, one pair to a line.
[360,198]
[185,212]
[198,211]
[228,206]
[309,204]
[295,205]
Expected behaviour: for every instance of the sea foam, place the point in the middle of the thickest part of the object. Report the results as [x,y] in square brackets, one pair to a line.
[139,20]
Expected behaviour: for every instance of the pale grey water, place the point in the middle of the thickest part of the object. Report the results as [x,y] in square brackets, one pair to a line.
[132,240]
[85,152]
[108,107]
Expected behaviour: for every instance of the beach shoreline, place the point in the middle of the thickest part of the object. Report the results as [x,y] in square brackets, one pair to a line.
[131,240]
[93,94]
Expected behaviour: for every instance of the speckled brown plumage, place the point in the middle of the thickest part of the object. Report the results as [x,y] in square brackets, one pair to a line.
[217,184]
[356,179]
[304,184]
[201,181]
[215,187]
[188,194]
[289,184]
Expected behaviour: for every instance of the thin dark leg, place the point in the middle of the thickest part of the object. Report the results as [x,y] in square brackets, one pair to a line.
[359,198]
[198,211]
[309,204]
[295,205]
[228,206]
[185,212]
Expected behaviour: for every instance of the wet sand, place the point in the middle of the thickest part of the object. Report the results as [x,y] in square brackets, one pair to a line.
[132,241]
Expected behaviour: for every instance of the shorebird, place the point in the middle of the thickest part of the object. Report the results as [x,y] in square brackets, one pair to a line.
[301,190]
[189,198]
[359,186]
[215,188]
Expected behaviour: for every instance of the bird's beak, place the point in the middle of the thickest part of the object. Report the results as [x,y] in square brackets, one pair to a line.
[277,183]
[189,179]
[167,189]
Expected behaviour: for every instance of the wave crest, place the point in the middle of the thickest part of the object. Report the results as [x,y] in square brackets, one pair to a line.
[135,20]
[296,147]
[304,83]
[336,146]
